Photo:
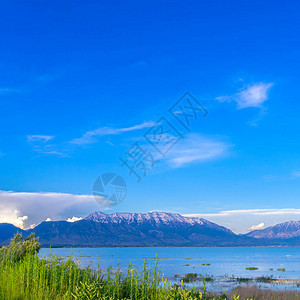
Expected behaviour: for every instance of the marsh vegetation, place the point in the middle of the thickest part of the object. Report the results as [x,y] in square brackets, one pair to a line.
[26,275]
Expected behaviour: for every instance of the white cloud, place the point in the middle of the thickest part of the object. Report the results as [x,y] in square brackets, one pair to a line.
[257,212]
[40,143]
[48,220]
[258,227]
[39,138]
[26,209]
[91,136]
[250,96]
[12,217]
[74,219]
[241,220]
[196,148]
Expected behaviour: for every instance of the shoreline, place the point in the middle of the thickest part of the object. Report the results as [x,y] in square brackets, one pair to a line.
[82,246]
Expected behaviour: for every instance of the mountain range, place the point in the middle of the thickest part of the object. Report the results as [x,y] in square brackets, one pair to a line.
[284,233]
[150,229]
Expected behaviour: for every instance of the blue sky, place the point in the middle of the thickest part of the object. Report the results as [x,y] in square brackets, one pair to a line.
[81,82]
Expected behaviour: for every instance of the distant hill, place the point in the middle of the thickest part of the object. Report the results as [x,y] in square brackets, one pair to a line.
[7,231]
[284,233]
[151,229]
[133,229]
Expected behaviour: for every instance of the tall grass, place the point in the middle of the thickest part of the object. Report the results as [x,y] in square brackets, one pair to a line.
[25,275]
[51,277]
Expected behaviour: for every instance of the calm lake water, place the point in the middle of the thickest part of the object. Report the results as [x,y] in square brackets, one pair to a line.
[221,263]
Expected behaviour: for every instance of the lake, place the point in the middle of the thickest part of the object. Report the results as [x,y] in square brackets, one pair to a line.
[220,262]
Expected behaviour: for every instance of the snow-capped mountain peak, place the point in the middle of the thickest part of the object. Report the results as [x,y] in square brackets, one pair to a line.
[154,218]
[285,230]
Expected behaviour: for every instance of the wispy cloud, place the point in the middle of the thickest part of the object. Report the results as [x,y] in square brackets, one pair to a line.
[4,91]
[283,176]
[40,143]
[241,220]
[91,136]
[254,95]
[296,174]
[27,209]
[44,143]
[39,138]
[258,212]
[196,148]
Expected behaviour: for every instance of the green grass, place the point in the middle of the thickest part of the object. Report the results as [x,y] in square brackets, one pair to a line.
[24,275]
[265,279]
[243,279]
[251,269]
[193,277]
[190,277]
[53,278]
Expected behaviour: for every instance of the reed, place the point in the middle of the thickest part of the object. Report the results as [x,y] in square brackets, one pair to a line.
[25,275]
[50,277]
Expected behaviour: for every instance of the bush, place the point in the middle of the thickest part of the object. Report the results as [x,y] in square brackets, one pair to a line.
[19,248]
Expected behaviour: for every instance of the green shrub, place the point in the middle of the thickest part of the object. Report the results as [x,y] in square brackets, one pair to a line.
[19,248]
[251,269]
[25,275]
[190,277]
[243,279]
[265,279]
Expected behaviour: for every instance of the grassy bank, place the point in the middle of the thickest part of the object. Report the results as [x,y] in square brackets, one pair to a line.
[25,275]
